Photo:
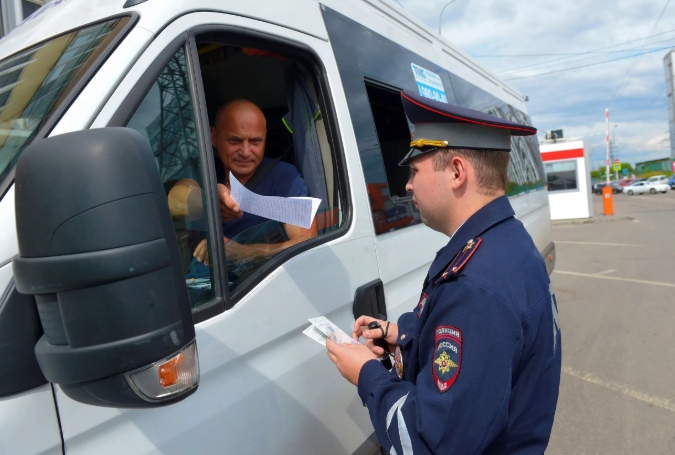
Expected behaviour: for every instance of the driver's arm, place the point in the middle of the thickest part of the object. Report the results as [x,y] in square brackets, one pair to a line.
[237,251]
[185,200]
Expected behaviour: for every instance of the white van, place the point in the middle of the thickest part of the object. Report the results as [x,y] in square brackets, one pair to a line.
[240,376]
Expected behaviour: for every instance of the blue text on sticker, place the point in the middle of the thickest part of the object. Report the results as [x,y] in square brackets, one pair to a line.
[429,84]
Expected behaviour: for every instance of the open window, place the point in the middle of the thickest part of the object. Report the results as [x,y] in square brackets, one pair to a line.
[391,204]
[297,158]
[176,105]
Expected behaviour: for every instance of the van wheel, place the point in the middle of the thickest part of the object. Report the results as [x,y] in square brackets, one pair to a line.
[652,191]
[630,192]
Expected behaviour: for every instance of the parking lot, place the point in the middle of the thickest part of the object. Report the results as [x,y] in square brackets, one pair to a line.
[615,287]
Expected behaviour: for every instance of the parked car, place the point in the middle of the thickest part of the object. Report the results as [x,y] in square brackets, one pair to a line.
[658,179]
[646,187]
[616,187]
[671,182]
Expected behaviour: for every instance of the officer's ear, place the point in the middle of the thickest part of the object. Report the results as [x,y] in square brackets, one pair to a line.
[458,169]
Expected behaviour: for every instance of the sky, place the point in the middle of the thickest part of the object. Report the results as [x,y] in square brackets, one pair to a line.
[597,54]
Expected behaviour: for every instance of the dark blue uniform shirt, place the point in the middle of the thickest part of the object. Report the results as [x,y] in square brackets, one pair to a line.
[282,180]
[480,352]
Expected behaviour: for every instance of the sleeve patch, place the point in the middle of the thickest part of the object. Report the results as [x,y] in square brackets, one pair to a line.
[447,356]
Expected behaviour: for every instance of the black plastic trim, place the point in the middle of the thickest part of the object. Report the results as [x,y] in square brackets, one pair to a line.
[369,300]
[77,89]
[208,310]
[19,331]
[130,3]
[105,266]
[238,36]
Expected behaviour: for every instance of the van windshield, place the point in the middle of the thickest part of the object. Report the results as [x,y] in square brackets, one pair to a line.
[36,82]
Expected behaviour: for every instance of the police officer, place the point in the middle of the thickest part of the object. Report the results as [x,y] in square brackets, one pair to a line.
[477,361]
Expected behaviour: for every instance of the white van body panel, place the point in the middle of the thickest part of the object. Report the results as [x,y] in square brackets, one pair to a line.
[29,424]
[9,246]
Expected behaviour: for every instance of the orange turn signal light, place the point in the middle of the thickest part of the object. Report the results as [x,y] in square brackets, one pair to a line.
[168,372]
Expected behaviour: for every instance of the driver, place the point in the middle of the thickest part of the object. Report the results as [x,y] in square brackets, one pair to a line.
[238,136]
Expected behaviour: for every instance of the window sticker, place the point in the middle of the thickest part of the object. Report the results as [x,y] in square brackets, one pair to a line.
[429,84]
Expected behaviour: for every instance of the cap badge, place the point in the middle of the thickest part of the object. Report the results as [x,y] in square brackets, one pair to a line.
[419,143]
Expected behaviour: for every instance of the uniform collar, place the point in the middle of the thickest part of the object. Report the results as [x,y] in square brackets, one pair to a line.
[489,215]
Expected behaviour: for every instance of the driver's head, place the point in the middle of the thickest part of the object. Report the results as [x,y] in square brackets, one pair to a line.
[238,135]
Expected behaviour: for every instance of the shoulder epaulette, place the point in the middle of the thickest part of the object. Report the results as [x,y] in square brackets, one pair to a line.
[460,259]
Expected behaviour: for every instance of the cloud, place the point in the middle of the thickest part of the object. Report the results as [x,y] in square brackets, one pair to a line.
[574,100]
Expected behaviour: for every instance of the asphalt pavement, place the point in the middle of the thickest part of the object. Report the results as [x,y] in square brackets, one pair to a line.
[615,287]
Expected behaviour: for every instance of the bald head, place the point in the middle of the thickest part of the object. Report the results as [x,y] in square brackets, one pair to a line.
[238,135]
[238,108]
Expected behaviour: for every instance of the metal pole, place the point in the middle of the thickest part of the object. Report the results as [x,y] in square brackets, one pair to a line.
[440,16]
[607,141]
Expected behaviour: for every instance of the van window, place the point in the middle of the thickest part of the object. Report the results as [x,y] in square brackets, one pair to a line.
[166,118]
[390,203]
[561,176]
[36,83]
[270,130]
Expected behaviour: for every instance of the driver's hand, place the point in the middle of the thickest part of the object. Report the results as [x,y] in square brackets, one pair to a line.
[229,210]
[202,252]
[361,330]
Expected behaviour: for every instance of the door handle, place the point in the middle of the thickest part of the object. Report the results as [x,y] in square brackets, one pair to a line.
[369,301]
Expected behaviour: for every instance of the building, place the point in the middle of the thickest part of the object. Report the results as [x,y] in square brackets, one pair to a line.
[13,12]
[670,94]
[664,164]
[568,177]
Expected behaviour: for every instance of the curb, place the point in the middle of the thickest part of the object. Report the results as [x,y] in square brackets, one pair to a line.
[608,219]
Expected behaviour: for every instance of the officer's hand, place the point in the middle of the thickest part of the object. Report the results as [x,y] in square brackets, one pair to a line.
[229,210]
[349,359]
[361,330]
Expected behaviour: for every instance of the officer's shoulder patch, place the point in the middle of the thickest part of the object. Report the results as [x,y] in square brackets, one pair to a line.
[460,259]
[447,357]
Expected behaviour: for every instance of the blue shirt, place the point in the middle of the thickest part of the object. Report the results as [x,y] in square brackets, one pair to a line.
[480,352]
[282,180]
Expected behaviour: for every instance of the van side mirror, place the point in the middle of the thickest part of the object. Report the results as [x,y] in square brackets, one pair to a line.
[98,251]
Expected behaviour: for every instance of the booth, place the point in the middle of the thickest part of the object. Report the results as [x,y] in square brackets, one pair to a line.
[568,176]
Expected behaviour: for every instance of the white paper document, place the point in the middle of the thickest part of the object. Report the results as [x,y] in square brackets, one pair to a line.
[298,211]
[323,328]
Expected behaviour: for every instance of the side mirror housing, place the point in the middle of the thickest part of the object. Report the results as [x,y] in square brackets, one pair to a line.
[98,251]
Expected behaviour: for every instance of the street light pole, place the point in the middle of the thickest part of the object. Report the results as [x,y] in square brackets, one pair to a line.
[440,16]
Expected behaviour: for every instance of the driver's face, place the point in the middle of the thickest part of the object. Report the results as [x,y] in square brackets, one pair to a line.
[239,138]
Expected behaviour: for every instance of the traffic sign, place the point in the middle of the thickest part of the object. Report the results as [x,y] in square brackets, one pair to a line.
[617,165]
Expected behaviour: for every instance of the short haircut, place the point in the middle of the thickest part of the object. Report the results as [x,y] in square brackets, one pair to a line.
[490,167]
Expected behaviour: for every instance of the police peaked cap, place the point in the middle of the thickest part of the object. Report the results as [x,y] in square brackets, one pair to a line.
[442,125]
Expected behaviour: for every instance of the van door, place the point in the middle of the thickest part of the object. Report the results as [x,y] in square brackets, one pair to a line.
[265,387]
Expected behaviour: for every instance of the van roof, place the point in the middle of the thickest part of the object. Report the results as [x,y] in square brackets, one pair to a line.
[61,16]
[384,17]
